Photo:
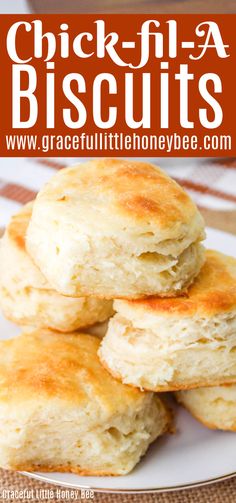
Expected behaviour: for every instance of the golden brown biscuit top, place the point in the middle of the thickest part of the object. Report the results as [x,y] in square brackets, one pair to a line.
[126,189]
[213,292]
[47,365]
[16,230]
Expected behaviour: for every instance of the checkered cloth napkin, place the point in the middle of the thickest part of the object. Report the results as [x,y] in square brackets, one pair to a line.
[212,184]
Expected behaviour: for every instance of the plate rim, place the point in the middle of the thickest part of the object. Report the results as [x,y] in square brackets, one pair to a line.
[164,489]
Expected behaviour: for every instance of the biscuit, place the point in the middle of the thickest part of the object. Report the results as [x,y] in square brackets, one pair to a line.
[215,407]
[61,411]
[179,343]
[25,295]
[116,229]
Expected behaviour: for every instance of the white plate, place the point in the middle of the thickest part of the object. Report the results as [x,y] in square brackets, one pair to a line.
[193,456]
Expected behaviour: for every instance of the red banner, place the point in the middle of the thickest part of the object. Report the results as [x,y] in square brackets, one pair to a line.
[118,85]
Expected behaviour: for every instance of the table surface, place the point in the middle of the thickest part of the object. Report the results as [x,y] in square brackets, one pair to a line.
[222,492]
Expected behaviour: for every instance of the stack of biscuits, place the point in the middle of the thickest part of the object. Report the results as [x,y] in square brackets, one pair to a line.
[120,241]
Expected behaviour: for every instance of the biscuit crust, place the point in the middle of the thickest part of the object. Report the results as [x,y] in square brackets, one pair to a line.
[116,229]
[48,359]
[212,292]
[132,190]
[77,470]
[60,410]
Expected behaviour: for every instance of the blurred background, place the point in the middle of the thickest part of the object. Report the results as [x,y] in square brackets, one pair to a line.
[118,6]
